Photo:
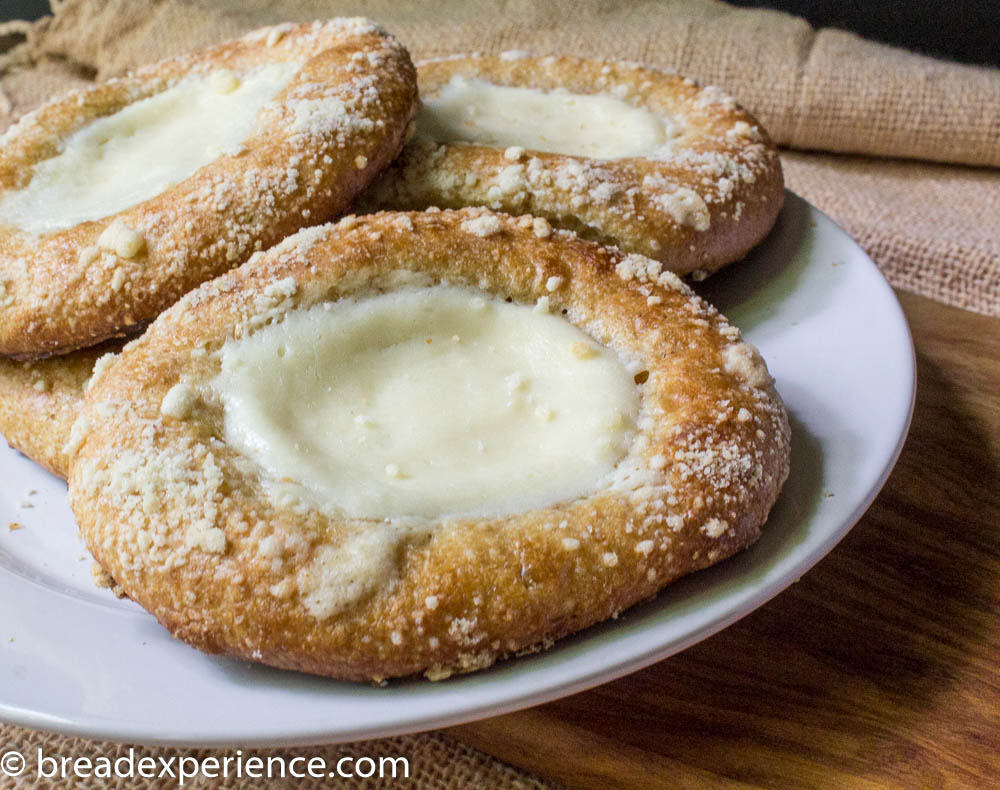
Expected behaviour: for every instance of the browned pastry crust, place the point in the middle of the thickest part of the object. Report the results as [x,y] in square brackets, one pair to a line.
[704,205]
[331,130]
[179,519]
[40,399]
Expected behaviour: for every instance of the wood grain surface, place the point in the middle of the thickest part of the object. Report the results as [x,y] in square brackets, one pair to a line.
[879,669]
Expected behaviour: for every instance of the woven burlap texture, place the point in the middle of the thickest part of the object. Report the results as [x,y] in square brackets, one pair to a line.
[435,763]
[826,90]
[931,227]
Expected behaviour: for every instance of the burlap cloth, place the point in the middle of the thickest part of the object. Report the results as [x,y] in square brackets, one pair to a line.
[932,225]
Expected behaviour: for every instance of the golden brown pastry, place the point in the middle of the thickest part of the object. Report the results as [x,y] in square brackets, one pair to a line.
[40,399]
[620,153]
[116,200]
[419,442]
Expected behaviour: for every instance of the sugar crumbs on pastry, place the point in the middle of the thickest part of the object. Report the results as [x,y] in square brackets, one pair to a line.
[484,225]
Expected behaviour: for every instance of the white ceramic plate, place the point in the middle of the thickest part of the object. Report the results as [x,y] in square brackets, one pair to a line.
[76,660]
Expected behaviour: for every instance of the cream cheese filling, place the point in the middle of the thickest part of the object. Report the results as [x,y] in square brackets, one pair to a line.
[123,159]
[427,402]
[598,126]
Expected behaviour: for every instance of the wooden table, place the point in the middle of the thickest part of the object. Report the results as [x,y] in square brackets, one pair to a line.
[878,669]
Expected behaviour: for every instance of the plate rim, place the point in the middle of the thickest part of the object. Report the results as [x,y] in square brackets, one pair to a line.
[89,725]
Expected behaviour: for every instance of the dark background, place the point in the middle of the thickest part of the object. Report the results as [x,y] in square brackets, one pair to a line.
[963,30]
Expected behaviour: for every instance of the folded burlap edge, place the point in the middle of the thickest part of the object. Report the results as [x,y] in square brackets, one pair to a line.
[824,90]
